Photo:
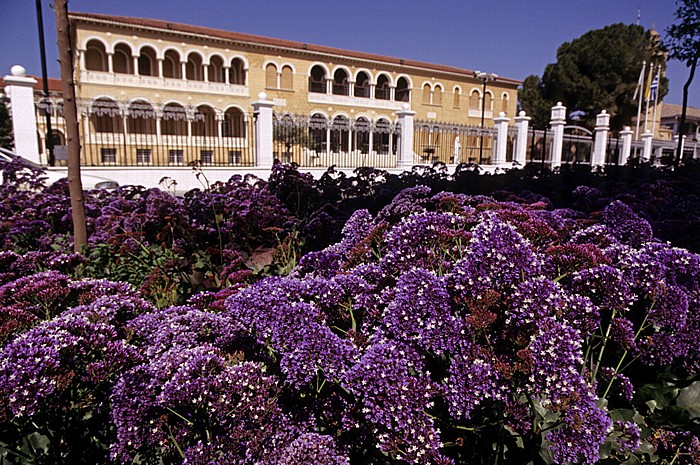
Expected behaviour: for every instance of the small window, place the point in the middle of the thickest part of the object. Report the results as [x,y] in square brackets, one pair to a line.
[109,156]
[206,157]
[175,157]
[235,157]
[143,156]
[271,76]
[287,78]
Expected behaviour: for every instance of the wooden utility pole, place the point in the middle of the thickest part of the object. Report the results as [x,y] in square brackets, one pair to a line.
[75,185]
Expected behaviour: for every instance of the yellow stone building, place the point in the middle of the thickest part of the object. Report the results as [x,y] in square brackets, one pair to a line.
[161,93]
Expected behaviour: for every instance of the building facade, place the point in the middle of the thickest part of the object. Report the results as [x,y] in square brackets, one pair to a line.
[161,93]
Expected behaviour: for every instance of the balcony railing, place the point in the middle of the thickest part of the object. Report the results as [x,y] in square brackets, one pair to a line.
[100,77]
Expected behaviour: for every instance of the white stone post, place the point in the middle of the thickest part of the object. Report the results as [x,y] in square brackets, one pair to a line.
[20,89]
[520,150]
[675,145]
[501,124]
[557,123]
[626,136]
[647,138]
[405,158]
[262,109]
[602,126]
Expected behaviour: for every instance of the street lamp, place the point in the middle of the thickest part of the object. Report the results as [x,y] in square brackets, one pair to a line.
[484,77]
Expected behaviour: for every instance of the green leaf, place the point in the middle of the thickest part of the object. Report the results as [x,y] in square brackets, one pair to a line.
[689,399]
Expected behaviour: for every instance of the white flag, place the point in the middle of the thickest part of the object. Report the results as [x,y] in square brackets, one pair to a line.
[640,83]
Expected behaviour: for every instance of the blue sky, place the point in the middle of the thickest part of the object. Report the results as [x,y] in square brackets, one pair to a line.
[513,38]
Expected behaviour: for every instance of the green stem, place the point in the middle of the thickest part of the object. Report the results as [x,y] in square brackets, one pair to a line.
[604,344]
[172,438]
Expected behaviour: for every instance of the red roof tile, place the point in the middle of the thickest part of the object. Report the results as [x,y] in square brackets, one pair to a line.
[54,84]
[268,41]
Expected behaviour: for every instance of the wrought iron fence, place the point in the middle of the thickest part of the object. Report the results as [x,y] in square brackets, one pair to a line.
[136,134]
[315,141]
[452,143]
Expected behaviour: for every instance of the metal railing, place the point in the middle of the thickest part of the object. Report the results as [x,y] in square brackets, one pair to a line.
[316,142]
[452,143]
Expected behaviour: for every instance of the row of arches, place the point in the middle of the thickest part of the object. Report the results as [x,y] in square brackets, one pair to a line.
[172,119]
[171,64]
[433,95]
[362,84]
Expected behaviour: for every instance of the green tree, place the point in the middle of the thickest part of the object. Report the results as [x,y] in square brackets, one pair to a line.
[7,140]
[534,103]
[599,71]
[683,44]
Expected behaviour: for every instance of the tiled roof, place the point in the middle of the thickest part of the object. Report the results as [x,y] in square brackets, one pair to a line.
[671,110]
[54,84]
[271,42]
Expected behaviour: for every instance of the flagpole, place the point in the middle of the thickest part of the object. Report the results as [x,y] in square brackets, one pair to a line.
[641,92]
[656,98]
[647,91]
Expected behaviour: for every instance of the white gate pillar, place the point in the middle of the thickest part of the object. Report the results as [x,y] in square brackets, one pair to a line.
[626,136]
[262,109]
[405,158]
[557,122]
[20,88]
[520,150]
[647,140]
[602,126]
[501,124]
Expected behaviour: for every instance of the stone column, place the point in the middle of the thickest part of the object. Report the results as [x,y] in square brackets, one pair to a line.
[675,145]
[262,108]
[520,151]
[626,136]
[602,126]
[183,70]
[647,138]
[405,155]
[20,89]
[557,123]
[110,63]
[135,71]
[160,67]
[501,124]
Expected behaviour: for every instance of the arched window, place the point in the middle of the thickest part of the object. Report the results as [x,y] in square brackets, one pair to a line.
[455,98]
[121,60]
[105,116]
[474,100]
[426,94]
[362,85]
[318,126]
[403,93]
[271,76]
[95,56]
[174,120]
[504,103]
[361,133]
[340,82]
[147,62]
[234,123]
[488,101]
[194,68]
[287,78]
[340,134]
[142,118]
[237,72]
[382,135]
[216,69]
[171,65]
[317,80]
[382,91]
[204,122]
[437,95]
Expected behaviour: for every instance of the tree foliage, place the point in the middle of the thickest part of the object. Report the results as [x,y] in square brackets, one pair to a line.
[683,43]
[599,71]
[534,102]
[6,137]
